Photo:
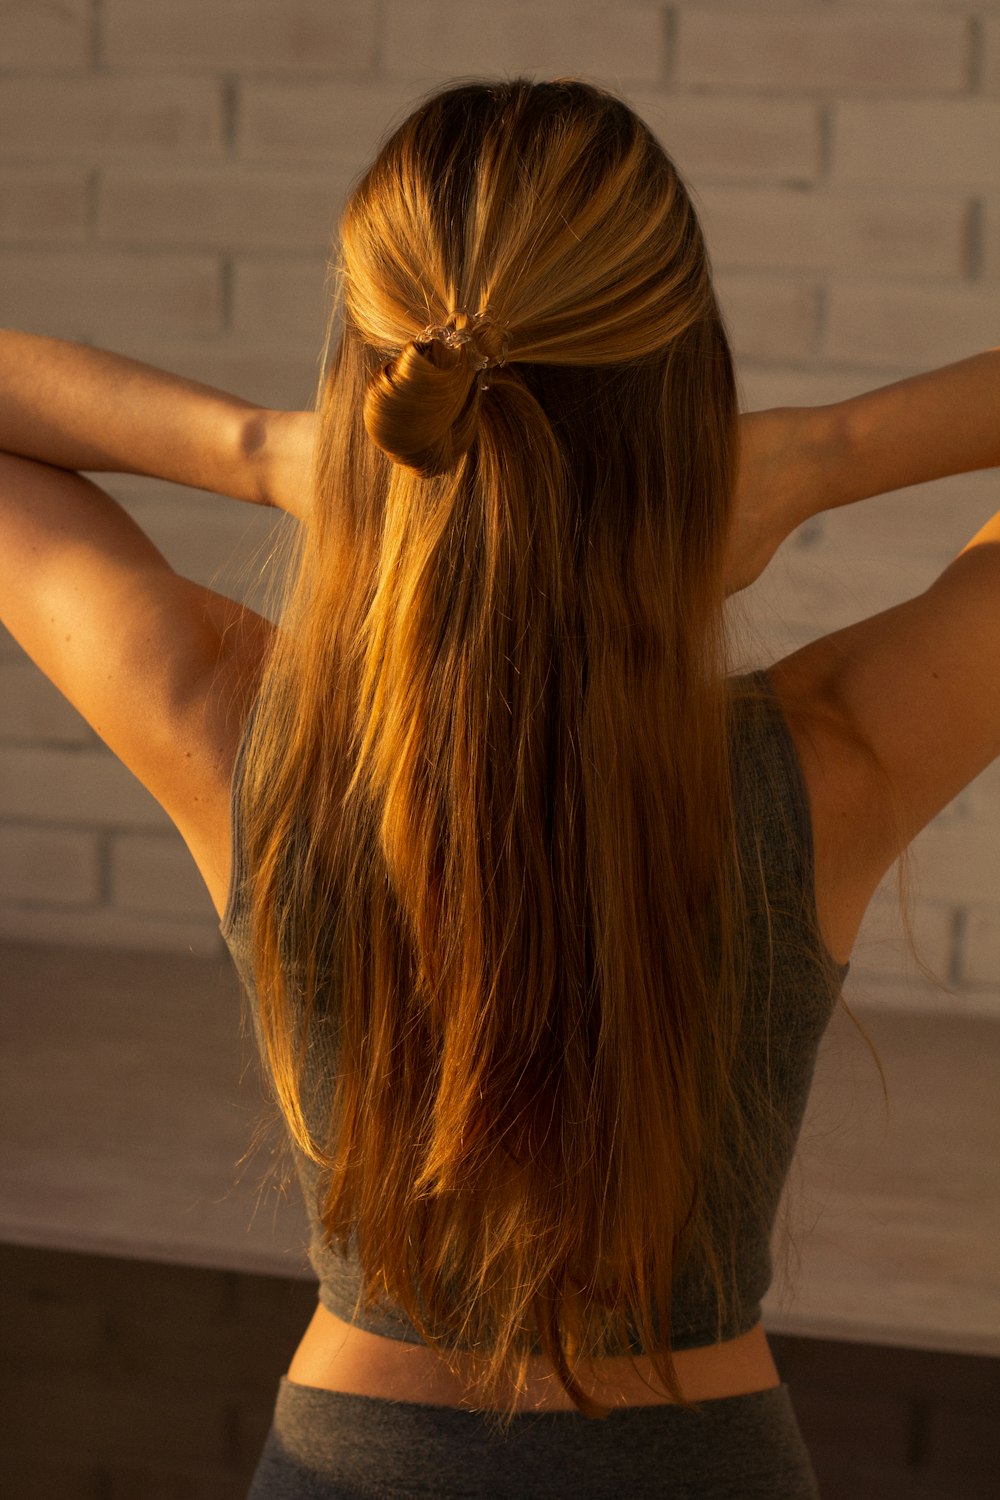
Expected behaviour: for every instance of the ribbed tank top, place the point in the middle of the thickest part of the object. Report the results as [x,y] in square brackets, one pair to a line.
[794,987]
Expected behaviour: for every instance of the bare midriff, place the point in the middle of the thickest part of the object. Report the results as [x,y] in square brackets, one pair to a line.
[336,1356]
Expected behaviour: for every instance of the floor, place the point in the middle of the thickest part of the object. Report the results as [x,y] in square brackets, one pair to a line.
[127,1380]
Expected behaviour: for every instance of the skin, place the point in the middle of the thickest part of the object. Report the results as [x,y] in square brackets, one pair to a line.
[150,659]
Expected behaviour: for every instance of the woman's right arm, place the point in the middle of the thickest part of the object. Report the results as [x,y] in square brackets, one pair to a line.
[944,422]
[798,461]
[81,408]
[918,683]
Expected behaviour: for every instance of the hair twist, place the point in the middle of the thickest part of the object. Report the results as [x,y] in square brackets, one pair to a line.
[422,407]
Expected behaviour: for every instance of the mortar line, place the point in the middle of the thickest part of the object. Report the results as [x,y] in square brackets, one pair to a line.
[974,58]
[670,33]
[97,36]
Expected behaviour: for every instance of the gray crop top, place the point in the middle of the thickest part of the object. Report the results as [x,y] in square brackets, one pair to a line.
[803,989]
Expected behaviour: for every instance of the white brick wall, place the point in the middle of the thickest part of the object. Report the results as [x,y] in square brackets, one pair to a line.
[98,117]
[433,39]
[803,50]
[875,325]
[714,136]
[154,874]
[981,948]
[48,34]
[104,294]
[955,142]
[991,243]
[170,171]
[49,866]
[219,208]
[278,296]
[241,36]
[770,317]
[34,712]
[991,57]
[82,785]
[43,203]
[881,232]
[318,120]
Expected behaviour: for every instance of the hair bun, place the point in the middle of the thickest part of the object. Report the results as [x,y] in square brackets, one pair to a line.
[422,408]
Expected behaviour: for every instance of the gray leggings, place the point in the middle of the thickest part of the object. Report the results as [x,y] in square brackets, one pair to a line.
[327,1446]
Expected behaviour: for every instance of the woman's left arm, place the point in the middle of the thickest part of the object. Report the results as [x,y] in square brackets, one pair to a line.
[157,664]
[81,408]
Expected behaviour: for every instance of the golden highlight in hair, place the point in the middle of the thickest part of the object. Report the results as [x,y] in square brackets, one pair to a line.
[488,806]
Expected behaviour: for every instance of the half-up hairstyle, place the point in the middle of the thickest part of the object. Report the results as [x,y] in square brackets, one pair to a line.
[497,918]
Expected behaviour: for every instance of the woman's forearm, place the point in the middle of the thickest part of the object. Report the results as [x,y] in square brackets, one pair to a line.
[926,427]
[81,408]
[798,461]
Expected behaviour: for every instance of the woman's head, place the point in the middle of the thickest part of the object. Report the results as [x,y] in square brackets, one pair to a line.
[513,224]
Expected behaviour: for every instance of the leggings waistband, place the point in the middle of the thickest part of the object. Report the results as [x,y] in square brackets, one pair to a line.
[325,1445]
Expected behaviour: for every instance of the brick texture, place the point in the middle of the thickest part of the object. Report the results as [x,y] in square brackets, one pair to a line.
[794,52]
[40,204]
[46,33]
[342,121]
[739,139]
[155,874]
[48,865]
[280,298]
[957,861]
[8,646]
[107,927]
[768,317]
[955,142]
[99,295]
[981,946]
[881,232]
[93,116]
[81,786]
[221,209]
[171,173]
[991,241]
[982,797]
[240,35]
[785,386]
[34,711]
[991,55]
[432,39]
[882,950]
[917,326]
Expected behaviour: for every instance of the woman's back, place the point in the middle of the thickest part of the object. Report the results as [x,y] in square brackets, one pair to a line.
[792,987]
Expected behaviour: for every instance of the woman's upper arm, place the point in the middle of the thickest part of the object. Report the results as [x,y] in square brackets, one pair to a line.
[129,642]
[920,684]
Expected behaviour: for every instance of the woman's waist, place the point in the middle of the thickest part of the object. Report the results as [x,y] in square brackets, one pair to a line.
[335,1355]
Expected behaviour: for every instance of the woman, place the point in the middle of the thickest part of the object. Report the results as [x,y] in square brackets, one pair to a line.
[542,915]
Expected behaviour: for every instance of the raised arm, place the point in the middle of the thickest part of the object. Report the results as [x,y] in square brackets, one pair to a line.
[82,408]
[798,461]
[917,684]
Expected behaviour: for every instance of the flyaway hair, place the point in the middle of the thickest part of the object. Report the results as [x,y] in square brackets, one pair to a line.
[498,917]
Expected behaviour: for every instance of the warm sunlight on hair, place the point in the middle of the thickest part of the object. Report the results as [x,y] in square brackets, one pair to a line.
[489,787]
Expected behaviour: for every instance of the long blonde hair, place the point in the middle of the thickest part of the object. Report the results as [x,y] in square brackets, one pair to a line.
[488,807]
